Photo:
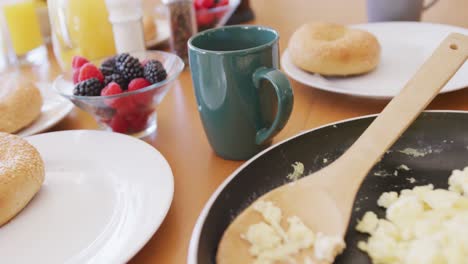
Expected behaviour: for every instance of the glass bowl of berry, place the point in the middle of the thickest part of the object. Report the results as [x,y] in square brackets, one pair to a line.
[122,92]
[214,13]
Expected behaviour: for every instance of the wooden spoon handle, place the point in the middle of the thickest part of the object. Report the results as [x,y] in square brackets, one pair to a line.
[403,110]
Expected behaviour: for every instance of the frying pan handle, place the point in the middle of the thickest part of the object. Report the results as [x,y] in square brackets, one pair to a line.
[285,99]
[404,108]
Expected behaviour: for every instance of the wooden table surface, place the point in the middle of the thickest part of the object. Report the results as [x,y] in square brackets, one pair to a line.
[181,139]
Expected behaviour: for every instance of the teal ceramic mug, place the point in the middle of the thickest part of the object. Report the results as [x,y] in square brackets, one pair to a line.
[243,99]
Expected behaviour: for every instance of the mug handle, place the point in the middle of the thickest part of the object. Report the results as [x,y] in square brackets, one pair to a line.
[285,97]
[430,4]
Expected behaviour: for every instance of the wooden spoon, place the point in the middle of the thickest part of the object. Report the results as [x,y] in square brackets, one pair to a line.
[324,199]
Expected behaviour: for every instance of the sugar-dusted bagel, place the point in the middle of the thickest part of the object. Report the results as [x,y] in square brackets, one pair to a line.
[332,49]
[20,105]
[21,175]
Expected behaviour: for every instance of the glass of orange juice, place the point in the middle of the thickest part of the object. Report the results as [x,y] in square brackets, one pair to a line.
[80,27]
[24,31]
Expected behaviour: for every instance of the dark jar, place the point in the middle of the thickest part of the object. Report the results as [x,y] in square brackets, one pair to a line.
[183,25]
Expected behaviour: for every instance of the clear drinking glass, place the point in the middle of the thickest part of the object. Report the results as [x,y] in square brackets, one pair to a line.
[7,56]
[23,31]
[80,27]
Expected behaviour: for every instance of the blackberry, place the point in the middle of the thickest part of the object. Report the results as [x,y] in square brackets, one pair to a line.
[108,66]
[90,87]
[119,79]
[154,71]
[129,67]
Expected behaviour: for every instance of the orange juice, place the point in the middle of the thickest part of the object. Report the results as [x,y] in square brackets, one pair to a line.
[23,26]
[80,27]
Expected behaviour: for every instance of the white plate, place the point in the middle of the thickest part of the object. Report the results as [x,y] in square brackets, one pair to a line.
[405,46]
[104,196]
[163,34]
[54,109]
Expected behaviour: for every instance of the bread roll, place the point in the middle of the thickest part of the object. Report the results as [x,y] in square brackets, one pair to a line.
[20,105]
[21,175]
[331,49]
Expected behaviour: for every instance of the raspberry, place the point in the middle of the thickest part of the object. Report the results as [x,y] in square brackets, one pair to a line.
[89,71]
[111,89]
[154,71]
[205,3]
[138,122]
[119,124]
[125,105]
[89,87]
[222,2]
[78,61]
[197,4]
[205,18]
[144,98]
[76,72]
[129,67]
[138,83]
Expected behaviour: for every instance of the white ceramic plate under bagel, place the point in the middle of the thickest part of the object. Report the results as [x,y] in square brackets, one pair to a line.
[104,196]
[54,108]
[405,46]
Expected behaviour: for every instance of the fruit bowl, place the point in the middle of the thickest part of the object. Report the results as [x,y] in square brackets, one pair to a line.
[215,16]
[130,112]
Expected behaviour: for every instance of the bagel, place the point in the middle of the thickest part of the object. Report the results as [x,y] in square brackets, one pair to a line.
[21,175]
[20,105]
[332,49]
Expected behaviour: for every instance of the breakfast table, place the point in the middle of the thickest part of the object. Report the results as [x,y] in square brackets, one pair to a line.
[180,136]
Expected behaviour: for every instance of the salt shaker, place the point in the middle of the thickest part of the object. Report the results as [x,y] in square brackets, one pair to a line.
[183,25]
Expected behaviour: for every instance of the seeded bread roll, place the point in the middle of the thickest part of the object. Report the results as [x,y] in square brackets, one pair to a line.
[331,49]
[21,175]
[20,105]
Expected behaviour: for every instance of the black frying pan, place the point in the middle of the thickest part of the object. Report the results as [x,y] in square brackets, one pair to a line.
[443,136]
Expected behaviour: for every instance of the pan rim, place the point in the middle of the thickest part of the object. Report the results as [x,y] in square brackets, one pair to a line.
[196,232]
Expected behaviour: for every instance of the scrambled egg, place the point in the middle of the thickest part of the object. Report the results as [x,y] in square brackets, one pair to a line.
[326,248]
[387,198]
[422,225]
[459,181]
[368,223]
[298,171]
[271,243]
